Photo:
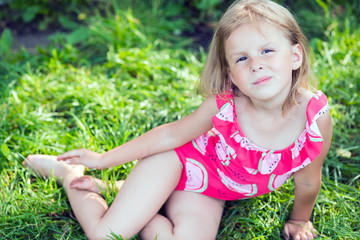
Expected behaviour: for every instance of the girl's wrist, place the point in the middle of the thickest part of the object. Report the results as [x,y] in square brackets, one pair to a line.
[300,215]
[297,221]
[101,160]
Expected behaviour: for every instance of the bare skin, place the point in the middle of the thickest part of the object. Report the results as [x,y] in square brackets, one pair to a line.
[48,166]
[97,185]
[187,214]
[92,184]
[148,187]
[304,228]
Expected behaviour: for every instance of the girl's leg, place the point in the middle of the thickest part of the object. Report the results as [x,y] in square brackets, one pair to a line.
[189,216]
[160,227]
[143,193]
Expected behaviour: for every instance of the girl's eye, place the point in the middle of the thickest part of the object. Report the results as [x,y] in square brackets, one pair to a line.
[241,59]
[267,51]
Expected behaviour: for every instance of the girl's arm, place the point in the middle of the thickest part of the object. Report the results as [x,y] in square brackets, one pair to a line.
[308,182]
[163,138]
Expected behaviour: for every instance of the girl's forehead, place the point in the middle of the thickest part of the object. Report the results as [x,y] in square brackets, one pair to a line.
[260,28]
[254,36]
[260,31]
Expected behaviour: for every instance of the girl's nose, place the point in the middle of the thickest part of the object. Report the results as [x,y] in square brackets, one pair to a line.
[255,65]
[255,68]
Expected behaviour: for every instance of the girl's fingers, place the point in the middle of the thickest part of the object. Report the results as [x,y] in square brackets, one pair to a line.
[77,153]
[304,235]
[299,231]
[76,183]
[86,183]
[74,160]
[285,236]
[286,233]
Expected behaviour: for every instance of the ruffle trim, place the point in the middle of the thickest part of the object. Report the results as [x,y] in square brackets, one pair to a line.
[299,154]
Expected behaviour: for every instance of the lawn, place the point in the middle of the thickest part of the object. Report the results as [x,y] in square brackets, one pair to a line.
[113,76]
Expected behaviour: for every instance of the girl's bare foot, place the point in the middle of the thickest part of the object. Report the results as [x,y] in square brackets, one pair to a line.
[92,184]
[88,183]
[48,166]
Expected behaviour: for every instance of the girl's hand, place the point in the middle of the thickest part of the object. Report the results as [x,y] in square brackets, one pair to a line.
[82,156]
[299,230]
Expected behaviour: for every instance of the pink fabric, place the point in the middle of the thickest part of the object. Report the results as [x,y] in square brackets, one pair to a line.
[224,164]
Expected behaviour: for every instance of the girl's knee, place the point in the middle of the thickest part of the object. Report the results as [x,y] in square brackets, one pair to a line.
[98,233]
[158,228]
[198,234]
[95,233]
[163,162]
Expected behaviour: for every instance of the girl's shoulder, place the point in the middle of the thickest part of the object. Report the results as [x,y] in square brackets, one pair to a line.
[312,101]
[224,98]
[315,103]
[306,95]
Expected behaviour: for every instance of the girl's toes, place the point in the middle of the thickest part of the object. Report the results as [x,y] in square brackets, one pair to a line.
[85,183]
[39,164]
[47,165]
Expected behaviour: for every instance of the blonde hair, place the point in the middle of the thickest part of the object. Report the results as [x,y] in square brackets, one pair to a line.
[214,78]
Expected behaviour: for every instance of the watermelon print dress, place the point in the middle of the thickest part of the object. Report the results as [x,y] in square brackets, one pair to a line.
[224,164]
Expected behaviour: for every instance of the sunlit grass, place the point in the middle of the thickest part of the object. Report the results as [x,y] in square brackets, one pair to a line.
[59,100]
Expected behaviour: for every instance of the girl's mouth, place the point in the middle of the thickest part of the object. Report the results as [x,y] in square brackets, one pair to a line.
[262,81]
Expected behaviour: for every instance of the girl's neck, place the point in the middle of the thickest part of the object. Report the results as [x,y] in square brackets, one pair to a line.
[269,107]
[264,123]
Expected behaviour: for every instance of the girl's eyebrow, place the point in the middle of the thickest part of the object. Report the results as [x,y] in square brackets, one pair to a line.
[268,44]
[237,54]
[243,52]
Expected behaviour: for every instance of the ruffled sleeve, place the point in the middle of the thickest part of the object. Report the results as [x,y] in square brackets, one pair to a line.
[317,107]
[224,98]
[309,145]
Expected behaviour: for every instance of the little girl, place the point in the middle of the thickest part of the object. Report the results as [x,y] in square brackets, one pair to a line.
[259,125]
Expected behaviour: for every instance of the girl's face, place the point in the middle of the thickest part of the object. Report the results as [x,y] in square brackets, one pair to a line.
[261,60]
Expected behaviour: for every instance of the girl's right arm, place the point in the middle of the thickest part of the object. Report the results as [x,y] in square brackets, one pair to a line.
[163,138]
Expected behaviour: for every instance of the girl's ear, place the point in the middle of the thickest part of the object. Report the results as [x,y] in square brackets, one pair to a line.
[297,56]
[230,76]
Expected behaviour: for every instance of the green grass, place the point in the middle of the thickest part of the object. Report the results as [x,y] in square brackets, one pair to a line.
[103,91]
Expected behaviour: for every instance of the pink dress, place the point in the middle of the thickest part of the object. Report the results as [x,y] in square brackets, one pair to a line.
[224,164]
